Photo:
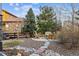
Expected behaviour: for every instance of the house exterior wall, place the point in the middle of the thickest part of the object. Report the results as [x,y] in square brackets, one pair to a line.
[12,27]
[12,24]
[0,19]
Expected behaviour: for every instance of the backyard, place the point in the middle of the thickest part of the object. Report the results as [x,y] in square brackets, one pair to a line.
[44,31]
[37,47]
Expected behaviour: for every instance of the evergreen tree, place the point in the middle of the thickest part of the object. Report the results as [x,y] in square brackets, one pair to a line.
[29,25]
[47,20]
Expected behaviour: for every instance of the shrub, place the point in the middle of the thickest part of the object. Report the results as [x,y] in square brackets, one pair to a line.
[68,37]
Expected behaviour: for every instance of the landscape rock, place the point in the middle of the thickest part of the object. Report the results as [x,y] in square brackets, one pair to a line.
[50,53]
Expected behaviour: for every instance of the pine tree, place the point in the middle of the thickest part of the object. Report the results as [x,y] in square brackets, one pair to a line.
[29,25]
[47,20]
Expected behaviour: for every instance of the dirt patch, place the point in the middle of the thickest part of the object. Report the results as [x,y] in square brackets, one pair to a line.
[29,43]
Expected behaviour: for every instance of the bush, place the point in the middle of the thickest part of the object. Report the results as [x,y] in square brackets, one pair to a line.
[68,37]
[12,43]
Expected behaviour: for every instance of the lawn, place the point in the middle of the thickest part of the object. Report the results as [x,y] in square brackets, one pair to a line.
[12,43]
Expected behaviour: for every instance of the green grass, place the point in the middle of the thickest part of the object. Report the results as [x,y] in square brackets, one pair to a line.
[12,43]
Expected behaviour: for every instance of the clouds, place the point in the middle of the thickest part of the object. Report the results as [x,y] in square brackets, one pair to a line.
[15,6]
[19,6]
[36,11]
[11,4]
[25,7]
[21,9]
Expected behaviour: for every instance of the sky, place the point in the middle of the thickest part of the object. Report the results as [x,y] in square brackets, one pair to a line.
[21,9]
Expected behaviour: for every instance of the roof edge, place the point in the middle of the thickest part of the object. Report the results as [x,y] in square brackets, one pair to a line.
[9,13]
